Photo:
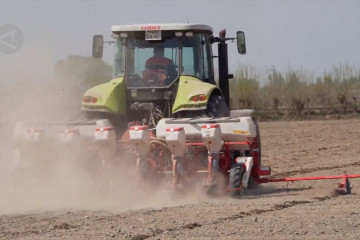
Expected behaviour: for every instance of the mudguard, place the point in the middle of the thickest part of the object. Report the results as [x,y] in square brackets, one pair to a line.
[189,87]
[110,97]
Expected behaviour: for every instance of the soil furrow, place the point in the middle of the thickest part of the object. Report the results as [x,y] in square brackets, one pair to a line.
[254,212]
[303,171]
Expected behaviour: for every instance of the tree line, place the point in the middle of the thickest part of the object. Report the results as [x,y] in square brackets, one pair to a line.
[296,92]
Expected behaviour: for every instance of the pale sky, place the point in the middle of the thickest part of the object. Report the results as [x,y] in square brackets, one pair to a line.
[313,35]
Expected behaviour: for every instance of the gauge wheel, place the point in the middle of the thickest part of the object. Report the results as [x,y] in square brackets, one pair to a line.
[236,176]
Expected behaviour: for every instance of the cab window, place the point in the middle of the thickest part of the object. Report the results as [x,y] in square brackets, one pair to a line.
[197,57]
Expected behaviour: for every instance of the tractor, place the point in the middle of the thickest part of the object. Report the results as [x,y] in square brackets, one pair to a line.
[165,106]
[146,93]
[165,72]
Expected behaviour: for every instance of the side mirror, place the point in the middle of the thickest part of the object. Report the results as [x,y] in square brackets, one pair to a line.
[98,46]
[240,37]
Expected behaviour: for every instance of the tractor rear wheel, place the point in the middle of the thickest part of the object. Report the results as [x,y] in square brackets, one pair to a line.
[236,176]
[217,107]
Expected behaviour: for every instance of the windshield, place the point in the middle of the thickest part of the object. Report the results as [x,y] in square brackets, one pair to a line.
[155,63]
[152,63]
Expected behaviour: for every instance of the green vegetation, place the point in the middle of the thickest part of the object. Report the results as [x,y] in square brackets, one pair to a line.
[75,75]
[78,73]
[297,93]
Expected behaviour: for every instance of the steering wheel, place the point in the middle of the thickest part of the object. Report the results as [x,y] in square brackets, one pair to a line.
[135,80]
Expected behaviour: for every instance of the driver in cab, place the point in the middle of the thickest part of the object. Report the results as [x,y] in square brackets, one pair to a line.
[159,69]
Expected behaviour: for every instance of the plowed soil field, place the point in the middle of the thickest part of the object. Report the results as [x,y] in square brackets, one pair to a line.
[298,210]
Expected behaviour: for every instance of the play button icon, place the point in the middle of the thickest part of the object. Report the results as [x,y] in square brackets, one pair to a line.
[11,38]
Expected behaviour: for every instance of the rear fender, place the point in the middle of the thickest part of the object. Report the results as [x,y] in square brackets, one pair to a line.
[110,97]
[190,87]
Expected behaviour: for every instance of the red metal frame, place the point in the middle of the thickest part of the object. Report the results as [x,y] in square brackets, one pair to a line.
[293,179]
[342,185]
[225,159]
[225,164]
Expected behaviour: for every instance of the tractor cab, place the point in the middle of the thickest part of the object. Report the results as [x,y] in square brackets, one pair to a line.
[163,70]
[156,55]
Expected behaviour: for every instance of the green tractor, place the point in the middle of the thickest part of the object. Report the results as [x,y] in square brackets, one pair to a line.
[161,71]
[163,105]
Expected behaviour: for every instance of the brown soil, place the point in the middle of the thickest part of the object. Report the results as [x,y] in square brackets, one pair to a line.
[299,210]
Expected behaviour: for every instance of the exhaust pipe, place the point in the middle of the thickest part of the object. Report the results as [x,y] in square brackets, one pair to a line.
[223,67]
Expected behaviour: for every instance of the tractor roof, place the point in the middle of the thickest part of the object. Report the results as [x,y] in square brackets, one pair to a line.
[163,27]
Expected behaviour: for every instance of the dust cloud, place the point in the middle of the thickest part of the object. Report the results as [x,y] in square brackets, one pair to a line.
[53,176]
